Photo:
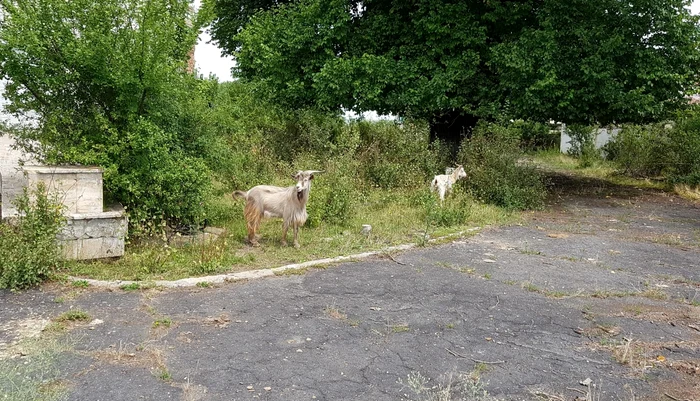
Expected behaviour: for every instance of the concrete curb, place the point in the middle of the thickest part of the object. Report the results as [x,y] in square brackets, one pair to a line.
[255,274]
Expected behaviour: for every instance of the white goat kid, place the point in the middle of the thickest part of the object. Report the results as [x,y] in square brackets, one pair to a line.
[443,183]
[289,203]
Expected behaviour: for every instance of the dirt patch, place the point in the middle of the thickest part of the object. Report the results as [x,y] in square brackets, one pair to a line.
[14,331]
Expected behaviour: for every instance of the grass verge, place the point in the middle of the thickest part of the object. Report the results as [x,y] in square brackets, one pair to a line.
[395,216]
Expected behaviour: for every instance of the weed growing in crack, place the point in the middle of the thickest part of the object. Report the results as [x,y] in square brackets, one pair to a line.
[72,316]
[164,322]
[400,328]
[459,387]
[131,287]
[81,284]
[333,312]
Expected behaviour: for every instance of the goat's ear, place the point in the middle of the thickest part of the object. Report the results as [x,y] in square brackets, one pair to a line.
[311,176]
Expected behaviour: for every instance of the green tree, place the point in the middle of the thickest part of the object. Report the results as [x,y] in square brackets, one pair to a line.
[453,62]
[106,84]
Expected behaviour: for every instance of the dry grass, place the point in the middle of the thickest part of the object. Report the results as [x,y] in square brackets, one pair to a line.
[687,192]
[29,368]
[142,356]
[334,313]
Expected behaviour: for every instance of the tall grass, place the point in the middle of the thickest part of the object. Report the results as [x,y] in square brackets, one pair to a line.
[375,173]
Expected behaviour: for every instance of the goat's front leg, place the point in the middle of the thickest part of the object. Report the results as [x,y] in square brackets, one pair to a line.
[296,236]
[285,227]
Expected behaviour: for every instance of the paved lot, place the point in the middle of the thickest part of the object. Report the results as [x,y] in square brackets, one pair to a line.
[604,286]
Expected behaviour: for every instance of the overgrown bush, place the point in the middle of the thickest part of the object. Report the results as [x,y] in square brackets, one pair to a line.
[396,155]
[685,149]
[157,181]
[535,135]
[106,91]
[640,150]
[455,210]
[492,159]
[583,144]
[334,193]
[664,150]
[29,253]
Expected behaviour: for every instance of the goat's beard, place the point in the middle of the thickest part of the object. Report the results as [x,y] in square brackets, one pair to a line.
[300,194]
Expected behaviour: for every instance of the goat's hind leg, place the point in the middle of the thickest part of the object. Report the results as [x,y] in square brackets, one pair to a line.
[252,218]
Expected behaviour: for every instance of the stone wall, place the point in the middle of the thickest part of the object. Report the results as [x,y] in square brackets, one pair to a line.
[90,231]
[94,235]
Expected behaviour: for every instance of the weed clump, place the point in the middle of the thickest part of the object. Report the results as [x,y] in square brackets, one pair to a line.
[29,252]
[496,174]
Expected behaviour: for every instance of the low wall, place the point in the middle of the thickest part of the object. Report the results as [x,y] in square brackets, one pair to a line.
[603,136]
[11,177]
[94,235]
[79,188]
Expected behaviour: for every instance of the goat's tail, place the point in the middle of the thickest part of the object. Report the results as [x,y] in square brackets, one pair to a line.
[239,194]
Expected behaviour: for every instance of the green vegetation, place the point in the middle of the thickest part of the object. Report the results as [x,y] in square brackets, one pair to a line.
[36,375]
[660,151]
[454,62]
[73,316]
[163,322]
[29,253]
[494,174]
[81,284]
[108,92]
[131,287]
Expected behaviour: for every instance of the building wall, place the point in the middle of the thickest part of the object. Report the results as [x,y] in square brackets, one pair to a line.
[11,179]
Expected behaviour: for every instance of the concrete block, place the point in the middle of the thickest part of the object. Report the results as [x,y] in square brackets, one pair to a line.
[78,188]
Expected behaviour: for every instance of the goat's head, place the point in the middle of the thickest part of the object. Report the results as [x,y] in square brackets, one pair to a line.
[459,172]
[304,178]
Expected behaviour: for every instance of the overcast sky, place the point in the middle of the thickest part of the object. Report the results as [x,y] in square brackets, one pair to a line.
[208,58]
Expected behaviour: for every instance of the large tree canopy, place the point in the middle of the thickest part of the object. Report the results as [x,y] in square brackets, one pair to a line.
[452,62]
[106,82]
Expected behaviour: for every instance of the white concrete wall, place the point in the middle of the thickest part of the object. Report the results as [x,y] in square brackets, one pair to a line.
[11,178]
[603,136]
[78,188]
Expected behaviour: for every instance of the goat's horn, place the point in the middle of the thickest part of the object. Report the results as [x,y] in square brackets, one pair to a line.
[314,171]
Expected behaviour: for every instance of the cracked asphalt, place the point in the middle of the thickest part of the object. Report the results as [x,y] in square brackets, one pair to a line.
[604,285]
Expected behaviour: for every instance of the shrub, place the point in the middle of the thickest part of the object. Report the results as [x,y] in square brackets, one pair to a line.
[29,253]
[397,155]
[583,144]
[685,149]
[454,211]
[157,181]
[536,136]
[333,195]
[640,150]
[491,158]
[304,131]
[117,94]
